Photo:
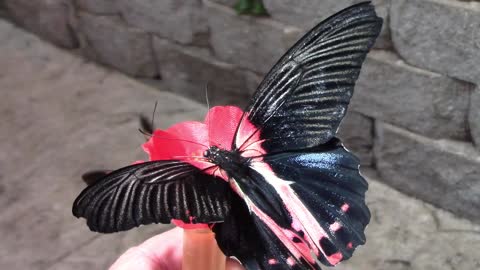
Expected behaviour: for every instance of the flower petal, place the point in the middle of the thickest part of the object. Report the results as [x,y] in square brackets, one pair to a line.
[194,135]
[186,139]
[163,145]
[222,122]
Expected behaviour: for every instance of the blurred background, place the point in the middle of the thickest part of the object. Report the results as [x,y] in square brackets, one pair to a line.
[75,75]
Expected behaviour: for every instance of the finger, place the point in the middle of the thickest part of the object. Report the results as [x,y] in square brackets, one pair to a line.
[166,249]
[233,264]
[163,251]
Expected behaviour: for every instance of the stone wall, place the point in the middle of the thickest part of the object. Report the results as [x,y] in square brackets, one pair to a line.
[415,116]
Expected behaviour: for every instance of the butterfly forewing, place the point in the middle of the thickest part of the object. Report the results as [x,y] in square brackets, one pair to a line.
[152,192]
[94,176]
[302,100]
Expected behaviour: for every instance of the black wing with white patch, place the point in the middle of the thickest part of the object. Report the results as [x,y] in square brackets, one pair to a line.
[152,192]
[302,100]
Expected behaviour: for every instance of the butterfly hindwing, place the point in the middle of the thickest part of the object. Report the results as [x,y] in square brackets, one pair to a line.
[248,238]
[297,208]
[152,192]
[302,100]
[325,196]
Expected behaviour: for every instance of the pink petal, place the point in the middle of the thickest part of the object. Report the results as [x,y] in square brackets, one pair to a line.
[163,145]
[182,140]
[222,122]
[248,139]
[193,135]
[187,141]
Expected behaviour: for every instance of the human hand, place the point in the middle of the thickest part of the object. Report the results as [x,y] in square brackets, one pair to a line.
[161,252]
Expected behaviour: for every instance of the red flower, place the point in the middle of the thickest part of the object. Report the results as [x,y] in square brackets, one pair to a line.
[187,141]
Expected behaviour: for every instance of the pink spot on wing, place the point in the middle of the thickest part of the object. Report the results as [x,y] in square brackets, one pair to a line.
[272,261]
[335,226]
[345,207]
[350,245]
[290,261]
[335,258]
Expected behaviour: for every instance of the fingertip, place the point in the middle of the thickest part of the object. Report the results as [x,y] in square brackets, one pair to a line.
[233,264]
[169,239]
[133,258]
[163,251]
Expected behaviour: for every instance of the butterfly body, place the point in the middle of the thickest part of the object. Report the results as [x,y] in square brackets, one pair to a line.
[228,161]
[279,187]
[246,182]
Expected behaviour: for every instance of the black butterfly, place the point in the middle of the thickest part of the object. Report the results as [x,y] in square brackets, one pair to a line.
[300,199]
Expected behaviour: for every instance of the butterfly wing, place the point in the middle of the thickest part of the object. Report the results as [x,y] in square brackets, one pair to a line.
[323,195]
[152,192]
[296,111]
[302,100]
[249,239]
[93,176]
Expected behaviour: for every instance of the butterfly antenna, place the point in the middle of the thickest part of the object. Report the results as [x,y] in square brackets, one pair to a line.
[146,133]
[208,168]
[206,96]
[198,158]
[173,139]
[237,129]
[152,124]
[242,146]
[208,111]
[147,126]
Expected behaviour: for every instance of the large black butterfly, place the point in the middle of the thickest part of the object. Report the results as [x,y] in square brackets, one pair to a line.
[300,199]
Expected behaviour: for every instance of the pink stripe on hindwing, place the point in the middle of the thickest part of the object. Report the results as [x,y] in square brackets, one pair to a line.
[302,218]
[298,250]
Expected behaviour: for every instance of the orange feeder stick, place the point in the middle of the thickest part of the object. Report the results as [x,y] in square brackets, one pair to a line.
[200,251]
